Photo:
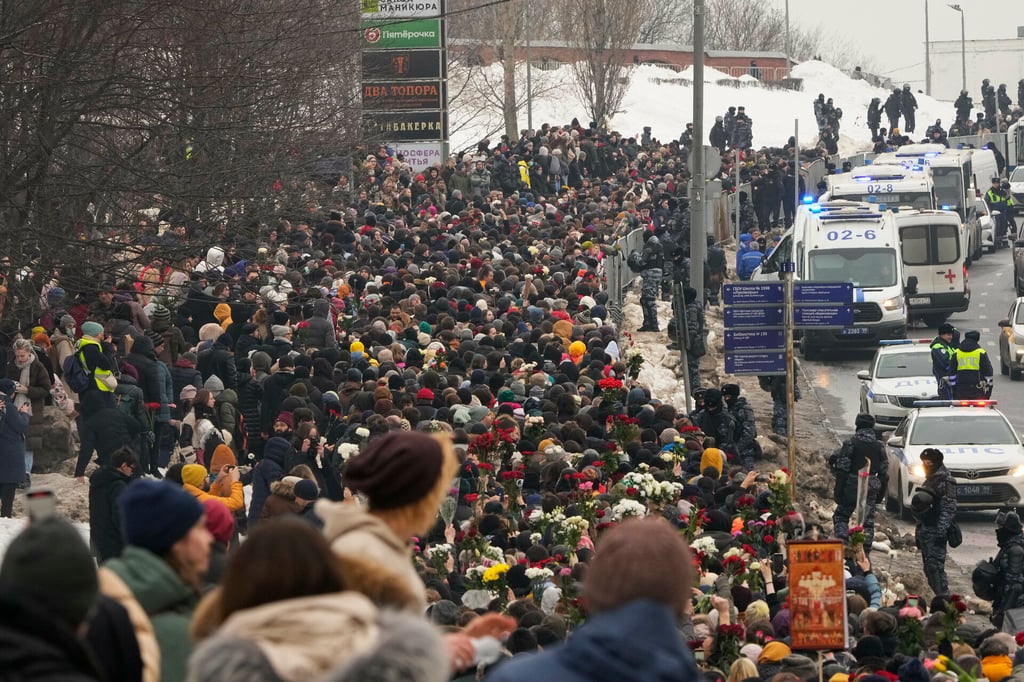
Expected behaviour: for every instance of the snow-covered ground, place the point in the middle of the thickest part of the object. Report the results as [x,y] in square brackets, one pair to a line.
[9,528]
[663,99]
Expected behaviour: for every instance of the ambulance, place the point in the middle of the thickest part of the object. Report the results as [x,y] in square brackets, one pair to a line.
[933,262]
[844,241]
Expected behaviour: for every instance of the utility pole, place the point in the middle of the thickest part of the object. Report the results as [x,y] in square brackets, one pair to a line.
[698,240]
[787,38]
[927,54]
[788,269]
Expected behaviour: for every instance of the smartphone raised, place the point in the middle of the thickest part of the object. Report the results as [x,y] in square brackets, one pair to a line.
[40,503]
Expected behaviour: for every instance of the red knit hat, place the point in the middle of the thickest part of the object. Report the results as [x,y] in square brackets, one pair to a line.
[219,521]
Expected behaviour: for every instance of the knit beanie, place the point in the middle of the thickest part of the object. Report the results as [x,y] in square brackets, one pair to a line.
[91,328]
[774,652]
[396,469]
[160,313]
[156,337]
[286,418]
[193,474]
[214,385]
[306,490]
[279,330]
[49,563]
[156,514]
[219,521]
[222,312]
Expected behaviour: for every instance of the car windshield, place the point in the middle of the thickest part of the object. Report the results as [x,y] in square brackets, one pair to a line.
[1017,175]
[896,365]
[981,207]
[949,190]
[962,429]
[863,268]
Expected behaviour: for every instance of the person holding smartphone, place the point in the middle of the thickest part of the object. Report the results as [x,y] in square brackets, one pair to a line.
[14,423]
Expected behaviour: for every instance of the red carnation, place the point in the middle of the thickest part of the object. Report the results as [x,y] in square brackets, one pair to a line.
[960,606]
[631,490]
[471,497]
[768,539]
[599,463]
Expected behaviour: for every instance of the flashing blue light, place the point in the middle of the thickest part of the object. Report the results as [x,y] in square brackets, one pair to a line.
[945,207]
[808,199]
[863,178]
[895,209]
[868,162]
[815,208]
[872,199]
[882,207]
[921,160]
[932,153]
[917,168]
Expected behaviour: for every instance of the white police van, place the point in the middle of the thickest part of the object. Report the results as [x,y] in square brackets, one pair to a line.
[843,241]
[889,184]
[933,260]
[979,447]
[900,374]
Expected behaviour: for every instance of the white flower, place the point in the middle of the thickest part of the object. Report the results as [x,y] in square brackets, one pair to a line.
[666,456]
[535,516]
[363,432]
[629,509]
[734,551]
[535,538]
[346,450]
[433,550]
[754,566]
[495,553]
[780,476]
[706,545]
[539,573]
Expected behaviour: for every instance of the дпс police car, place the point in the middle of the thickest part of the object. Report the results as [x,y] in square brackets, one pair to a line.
[980,449]
[900,375]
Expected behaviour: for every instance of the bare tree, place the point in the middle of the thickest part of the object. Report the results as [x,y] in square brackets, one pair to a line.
[603,31]
[669,21]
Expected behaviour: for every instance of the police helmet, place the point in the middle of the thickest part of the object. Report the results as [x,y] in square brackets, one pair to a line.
[922,500]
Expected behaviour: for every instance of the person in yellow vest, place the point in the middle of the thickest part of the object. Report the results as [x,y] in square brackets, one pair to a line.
[99,394]
[970,370]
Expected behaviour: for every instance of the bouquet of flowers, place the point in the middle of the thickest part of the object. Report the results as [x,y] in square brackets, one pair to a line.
[856,536]
[727,645]
[538,577]
[911,634]
[608,464]
[634,360]
[534,426]
[512,481]
[471,543]
[951,619]
[569,532]
[301,334]
[612,390]
[734,565]
[495,580]
[704,549]
[692,523]
[627,508]
[570,605]
[779,496]
[945,664]
[674,453]
[639,485]
[624,430]
[542,521]
[437,556]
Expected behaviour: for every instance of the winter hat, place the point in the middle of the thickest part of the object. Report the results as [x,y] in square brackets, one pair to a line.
[279,330]
[973,335]
[864,421]
[214,385]
[155,337]
[306,490]
[188,392]
[49,563]
[91,328]
[946,328]
[222,455]
[397,469]
[639,559]
[506,395]
[222,312]
[160,313]
[424,394]
[799,665]
[577,349]
[356,346]
[67,321]
[193,474]
[261,361]
[55,295]
[868,646]
[751,651]
[210,331]
[732,390]
[774,652]
[299,390]
[914,671]
[156,514]
[219,520]
[7,386]
[287,418]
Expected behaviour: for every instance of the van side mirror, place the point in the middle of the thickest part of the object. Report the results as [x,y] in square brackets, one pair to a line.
[912,285]
[895,442]
[864,375]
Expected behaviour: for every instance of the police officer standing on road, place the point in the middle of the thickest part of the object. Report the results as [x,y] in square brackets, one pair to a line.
[652,259]
[1010,561]
[934,507]
[862,451]
[943,348]
[970,370]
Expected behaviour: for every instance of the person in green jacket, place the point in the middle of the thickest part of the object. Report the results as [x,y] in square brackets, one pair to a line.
[167,551]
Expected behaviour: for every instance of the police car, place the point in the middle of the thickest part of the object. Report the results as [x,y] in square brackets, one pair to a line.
[979,447]
[900,375]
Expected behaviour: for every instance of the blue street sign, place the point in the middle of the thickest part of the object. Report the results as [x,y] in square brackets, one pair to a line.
[752,292]
[823,316]
[755,363]
[822,292]
[752,317]
[754,339]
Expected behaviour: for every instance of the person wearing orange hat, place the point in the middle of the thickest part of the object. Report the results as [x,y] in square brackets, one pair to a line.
[577,349]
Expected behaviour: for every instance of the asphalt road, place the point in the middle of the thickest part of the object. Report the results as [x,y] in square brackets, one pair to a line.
[836,385]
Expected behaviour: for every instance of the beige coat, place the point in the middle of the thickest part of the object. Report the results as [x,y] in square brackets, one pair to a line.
[354,532]
[115,588]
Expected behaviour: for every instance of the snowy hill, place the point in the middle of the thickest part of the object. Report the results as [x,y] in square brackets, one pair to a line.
[663,99]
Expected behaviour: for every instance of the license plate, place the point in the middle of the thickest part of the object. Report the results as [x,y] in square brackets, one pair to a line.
[921,300]
[974,490]
[855,331]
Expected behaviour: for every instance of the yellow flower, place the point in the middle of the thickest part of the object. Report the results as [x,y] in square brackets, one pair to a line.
[940,663]
[495,573]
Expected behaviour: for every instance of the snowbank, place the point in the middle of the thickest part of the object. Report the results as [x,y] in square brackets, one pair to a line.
[663,99]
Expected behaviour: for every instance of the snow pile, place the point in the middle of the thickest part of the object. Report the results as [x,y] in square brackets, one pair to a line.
[663,99]
[9,529]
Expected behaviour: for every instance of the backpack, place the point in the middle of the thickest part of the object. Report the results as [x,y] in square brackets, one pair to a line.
[75,375]
[985,580]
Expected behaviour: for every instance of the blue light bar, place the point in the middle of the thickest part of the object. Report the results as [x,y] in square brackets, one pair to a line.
[932,153]
[902,342]
[863,178]
[945,207]
[807,199]
[872,199]
[815,208]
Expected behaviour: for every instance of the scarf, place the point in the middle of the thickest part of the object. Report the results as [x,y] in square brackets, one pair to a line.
[24,379]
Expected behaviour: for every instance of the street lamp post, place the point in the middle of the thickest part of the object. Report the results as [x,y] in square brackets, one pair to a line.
[927,54]
[963,46]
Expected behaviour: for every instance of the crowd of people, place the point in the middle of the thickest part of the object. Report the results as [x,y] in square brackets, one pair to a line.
[453,461]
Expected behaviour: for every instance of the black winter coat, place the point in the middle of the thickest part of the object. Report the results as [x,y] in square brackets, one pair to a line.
[218,360]
[34,645]
[105,485]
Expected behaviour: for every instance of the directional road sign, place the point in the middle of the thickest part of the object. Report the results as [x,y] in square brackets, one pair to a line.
[823,316]
[736,318]
[754,339]
[755,363]
[753,293]
[822,292]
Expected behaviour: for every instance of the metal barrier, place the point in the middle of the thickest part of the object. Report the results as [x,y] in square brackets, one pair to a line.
[815,173]
[618,276]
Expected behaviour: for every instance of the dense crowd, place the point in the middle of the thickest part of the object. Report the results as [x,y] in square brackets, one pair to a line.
[453,462]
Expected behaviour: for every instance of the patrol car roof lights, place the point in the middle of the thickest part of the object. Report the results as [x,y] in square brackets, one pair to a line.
[944,207]
[955,403]
[902,342]
[807,199]
[814,208]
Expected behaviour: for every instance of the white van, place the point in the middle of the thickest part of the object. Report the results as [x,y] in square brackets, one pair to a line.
[888,184]
[933,263]
[844,241]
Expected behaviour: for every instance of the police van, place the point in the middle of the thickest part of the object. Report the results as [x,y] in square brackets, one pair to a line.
[888,184]
[844,241]
[933,262]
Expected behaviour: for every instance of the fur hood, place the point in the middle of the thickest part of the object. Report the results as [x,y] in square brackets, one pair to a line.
[331,638]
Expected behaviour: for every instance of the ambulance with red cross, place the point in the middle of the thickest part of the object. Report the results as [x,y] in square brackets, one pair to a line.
[933,262]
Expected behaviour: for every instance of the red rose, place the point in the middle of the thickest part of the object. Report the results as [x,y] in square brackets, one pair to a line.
[952,597]
[599,464]
[460,536]
[768,539]
[471,497]
[472,532]
[599,514]
[631,490]
[960,606]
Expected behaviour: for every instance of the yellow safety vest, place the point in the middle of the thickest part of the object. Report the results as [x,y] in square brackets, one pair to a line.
[97,374]
[968,360]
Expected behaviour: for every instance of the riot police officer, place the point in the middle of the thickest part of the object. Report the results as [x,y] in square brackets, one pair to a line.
[862,450]
[652,259]
[934,507]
